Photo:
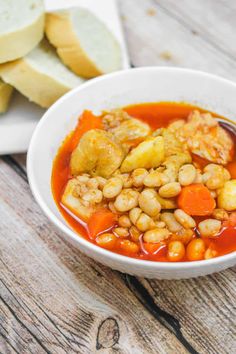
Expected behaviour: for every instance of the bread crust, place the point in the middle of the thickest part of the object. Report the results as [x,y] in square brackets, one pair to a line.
[60,33]
[17,44]
[36,86]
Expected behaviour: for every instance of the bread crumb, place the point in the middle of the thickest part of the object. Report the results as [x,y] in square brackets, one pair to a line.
[166,55]
[151,12]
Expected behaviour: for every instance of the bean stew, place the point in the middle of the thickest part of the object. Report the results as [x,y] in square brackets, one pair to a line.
[154,181]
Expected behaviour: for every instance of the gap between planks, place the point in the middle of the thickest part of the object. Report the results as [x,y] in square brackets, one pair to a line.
[146,299]
[218,284]
[164,319]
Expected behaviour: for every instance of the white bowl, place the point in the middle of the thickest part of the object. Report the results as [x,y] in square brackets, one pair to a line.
[150,84]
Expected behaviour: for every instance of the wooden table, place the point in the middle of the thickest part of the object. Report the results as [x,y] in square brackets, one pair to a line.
[56,300]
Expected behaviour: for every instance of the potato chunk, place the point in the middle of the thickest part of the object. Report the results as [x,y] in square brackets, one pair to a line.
[97,153]
[227,196]
[148,154]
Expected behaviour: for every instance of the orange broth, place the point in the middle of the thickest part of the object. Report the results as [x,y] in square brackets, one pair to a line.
[156,115]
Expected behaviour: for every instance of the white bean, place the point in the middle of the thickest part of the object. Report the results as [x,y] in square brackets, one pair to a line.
[156,235]
[101,181]
[170,190]
[153,179]
[144,222]
[166,203]
[138,176]
[126,200]
[93,183]
[184,219]
[227,196]
[171,223]
[205,177]
[124,221]
[220,214]
[134,214]
[210,253]
[215,176]
[93,196]
[213,194]
[134,233]
[183,235]
[83,178]
[121,232]
[187,174]
[112,207]
[198,178]
[149,203]
[113,187]
[209,227]
[160,224]
[227,175]
[127,181]
[215,182]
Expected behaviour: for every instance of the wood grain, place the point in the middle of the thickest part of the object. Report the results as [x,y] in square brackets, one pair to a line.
[187,309]
[56,300]
[195,34]
[172,35]
[211,20]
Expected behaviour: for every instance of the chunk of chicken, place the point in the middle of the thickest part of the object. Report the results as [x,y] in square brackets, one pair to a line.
[75,198]
[131,130]
[148,154]
[114,118]
[171,142]
[124,127]
[204,137]
[97,153]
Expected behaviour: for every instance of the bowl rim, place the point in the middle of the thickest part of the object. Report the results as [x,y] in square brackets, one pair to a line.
[77,238]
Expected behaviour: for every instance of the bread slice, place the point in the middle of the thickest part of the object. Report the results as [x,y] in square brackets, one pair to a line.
[5,95]
[21,27]
[40,75]
[83,42]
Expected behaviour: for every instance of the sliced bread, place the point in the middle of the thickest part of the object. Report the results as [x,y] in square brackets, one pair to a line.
[83,42]
[5,96]
[21,27]
[40,75]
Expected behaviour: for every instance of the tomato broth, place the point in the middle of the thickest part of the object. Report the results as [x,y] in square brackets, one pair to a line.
[156,115]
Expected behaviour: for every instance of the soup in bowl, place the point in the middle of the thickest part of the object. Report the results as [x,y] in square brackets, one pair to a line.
[139,172]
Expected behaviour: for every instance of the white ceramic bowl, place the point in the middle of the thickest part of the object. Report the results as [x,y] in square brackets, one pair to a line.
[150,84]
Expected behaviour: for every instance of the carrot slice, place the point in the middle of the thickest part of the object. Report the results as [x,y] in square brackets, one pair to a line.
[100,221]
[87,121]
[196,199]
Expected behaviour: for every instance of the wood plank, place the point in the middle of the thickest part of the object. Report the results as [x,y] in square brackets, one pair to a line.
[188,303]
[167,33]
[212,20]
[56,300]
[21,160]
[162,38]
[64,300]
[204,307]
